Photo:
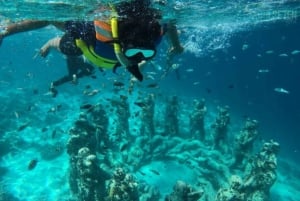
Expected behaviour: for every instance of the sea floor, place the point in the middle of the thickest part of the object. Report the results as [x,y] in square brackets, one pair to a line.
[39,130]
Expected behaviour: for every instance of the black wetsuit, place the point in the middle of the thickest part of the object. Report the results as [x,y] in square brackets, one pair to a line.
[76,65]
[83,30]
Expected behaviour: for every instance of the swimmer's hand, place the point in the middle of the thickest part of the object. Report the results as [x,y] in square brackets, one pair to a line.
[1,39]
[175,50]
[44,51]
[3,33]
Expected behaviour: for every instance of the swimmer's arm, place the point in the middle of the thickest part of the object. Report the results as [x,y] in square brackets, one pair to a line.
[172,34]
[29,25]
[23,26]
[51,44]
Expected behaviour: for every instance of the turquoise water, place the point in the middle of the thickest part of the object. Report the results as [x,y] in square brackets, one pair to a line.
[236,54]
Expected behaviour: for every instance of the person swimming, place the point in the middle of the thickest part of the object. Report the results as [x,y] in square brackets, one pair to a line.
[128,39]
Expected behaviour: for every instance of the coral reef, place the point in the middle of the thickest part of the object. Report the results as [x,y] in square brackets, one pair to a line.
[86,179]
[171,117]
[122,187]
[259,177]
[244,141]
[184,192]
[99,119]
[233,192]
[90,179]
[148,193]
[147,117]
[197,126]
[91,165]
[122,112]
[261,173]
[220,128]
[82,135]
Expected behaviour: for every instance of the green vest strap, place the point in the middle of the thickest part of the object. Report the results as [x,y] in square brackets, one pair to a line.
[90,54]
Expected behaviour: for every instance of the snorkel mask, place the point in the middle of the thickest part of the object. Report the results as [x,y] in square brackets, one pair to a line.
[139,52]
[135,34]
[133,68]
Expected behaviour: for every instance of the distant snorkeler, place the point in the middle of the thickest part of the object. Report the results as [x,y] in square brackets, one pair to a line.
[129,38]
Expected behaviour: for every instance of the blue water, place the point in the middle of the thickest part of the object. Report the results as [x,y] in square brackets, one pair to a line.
[252,92]
[225,51]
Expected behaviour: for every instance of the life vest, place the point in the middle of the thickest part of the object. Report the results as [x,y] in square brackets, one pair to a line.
[103,31]
[103,35]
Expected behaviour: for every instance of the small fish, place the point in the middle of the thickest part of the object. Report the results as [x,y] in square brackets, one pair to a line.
[245,46]
[92,93]
[105,147]
[140,104]
[189,70]
[4,82]
[245,116]
[142,173]
[295,52]
[281,90]
[263,70]
[22,127]
[53,134]
[44,129]
[35,91]
[136,114]
[283,55]
[196,83]
[175,66]
[52,110]
[151,73]
[160,2]
[58,106]
[32,164]
[29,75]
[94,76]
[150,77]
[118,84]
[55,108]
[208,90]
[86,106]
[207,74]
[17,115]
[269,52]
[231,86]
[155,172]
[123,147]
[29,107]
[53,92]
[153,85]
[58,148]
[123,97]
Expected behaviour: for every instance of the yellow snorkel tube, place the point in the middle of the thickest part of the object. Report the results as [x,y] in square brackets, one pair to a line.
[131,67]
[117,48]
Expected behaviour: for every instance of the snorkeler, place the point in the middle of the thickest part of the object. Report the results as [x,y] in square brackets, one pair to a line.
[128,39]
